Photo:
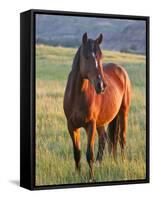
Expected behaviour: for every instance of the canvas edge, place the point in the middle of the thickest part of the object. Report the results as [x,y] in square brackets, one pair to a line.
[31,102]
[26,93]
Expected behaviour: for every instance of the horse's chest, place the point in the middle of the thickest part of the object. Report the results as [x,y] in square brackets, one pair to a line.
[82,112]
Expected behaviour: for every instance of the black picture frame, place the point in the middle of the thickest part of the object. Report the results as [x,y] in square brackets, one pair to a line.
[27,99]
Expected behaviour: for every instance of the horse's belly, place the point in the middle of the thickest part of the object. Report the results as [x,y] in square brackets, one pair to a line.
[109,108]
[105,119]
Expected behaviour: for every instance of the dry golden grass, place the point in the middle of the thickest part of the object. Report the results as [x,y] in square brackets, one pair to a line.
[54,155]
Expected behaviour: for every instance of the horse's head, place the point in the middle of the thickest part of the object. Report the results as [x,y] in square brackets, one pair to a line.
[91,62]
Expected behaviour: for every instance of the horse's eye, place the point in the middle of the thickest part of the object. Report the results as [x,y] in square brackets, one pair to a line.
[87,55]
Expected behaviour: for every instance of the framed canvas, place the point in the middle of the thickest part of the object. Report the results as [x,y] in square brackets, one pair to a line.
[84,99]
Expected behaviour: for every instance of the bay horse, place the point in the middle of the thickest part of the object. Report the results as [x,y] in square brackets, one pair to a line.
[96,95]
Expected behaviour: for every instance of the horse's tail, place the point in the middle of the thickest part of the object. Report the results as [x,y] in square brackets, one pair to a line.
[113,134]
[117,127]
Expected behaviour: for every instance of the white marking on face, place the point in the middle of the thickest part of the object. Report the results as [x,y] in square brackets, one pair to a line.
[102,84]
[96,63]
[93,54]
[99,76]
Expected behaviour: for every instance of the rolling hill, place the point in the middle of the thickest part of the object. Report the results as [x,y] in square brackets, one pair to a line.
[119,34]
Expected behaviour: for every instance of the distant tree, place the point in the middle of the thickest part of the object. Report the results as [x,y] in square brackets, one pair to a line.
[133,47]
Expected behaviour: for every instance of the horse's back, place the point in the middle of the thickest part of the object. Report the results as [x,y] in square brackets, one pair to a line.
[115,70]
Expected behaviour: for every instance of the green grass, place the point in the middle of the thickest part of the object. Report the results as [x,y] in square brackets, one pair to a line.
[54,155]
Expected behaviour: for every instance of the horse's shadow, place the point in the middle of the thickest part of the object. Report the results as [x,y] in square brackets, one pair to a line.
[15,182]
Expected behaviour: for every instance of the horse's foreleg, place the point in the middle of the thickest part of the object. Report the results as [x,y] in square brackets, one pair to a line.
[91,132]
[75,136]
[101,142]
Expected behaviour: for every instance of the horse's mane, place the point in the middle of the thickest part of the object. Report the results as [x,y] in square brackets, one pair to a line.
[76,60]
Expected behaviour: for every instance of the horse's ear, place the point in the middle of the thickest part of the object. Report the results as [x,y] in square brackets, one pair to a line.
[99,39]
[84,38]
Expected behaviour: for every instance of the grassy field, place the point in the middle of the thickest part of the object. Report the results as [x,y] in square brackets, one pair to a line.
[54,155]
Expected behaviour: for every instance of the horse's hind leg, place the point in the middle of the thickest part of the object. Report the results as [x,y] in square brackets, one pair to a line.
[75,136]
[101,142]
[123,129]
[113,132]
[124,118]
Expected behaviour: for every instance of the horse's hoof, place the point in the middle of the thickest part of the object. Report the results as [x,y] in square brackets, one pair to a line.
[98,163]
[78,169]
[92,179]
[115,162]
[123,157]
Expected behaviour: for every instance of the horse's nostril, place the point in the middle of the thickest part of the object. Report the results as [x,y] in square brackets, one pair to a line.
[99,86]
[105,85]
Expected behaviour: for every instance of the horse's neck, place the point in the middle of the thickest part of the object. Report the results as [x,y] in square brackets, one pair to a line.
[80,85]
[81,94]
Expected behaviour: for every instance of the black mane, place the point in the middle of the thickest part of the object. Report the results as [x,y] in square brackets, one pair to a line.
[76,60]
